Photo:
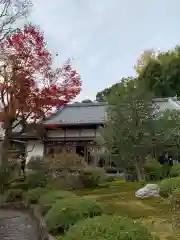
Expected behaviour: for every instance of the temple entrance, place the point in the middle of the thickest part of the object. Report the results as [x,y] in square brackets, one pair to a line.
[80,151]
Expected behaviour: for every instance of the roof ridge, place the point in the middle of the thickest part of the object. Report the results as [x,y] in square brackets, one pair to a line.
[86,104]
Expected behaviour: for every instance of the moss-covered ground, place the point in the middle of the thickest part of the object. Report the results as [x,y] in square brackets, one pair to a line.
[119,197]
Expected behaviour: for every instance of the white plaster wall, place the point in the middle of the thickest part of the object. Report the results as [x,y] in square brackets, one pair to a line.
[38,149]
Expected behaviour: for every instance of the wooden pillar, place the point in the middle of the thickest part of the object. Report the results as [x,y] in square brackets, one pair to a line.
[86,154]
[97,157]
[1,143]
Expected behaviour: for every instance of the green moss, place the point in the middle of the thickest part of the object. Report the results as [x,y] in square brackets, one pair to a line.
[108,228]
[120,199]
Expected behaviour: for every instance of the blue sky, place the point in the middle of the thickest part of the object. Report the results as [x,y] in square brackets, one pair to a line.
[105,37]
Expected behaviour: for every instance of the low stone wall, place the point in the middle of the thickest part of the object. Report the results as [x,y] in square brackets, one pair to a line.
[34,213]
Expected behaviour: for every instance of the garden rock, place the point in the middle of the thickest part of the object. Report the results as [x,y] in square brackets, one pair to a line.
[148,191]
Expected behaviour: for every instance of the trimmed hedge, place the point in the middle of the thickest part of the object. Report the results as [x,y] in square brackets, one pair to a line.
[175,170]
[168,185]
[108,228]
[65,213]
[36,179]
[47,200]
[92,176]
[155,171]
[19,183]
[33,195]
[13,195]
[36,163]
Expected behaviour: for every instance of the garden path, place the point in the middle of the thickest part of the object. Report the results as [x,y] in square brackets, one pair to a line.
[15,225]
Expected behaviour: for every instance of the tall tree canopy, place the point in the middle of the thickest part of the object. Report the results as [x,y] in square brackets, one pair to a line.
[30,87]
[135,127]
[129,123]
[102,95]
[160,71]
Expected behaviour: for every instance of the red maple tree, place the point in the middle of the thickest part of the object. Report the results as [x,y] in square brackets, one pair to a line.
[30,88]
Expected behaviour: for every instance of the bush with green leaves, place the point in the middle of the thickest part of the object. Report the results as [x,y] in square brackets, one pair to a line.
[110,178]
[92,176]
[168,185]
[7,173]
[36,163]
[19,183]
[36,179]
[64,162]
[14,195]
[154,170]
[175,170]
[111,170]
[108,228]
[33,195]
[66,212]
[47,200]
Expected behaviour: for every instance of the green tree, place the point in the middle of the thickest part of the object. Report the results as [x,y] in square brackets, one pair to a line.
[160,71]
[135,127]
[103,95]
[165,132]
[129,123]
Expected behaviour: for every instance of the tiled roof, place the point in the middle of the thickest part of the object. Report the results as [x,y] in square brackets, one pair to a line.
[95,113]
[167,103]
[80,113]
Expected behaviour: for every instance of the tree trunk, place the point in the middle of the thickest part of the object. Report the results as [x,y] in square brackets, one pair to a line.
[5,144]
[139,170]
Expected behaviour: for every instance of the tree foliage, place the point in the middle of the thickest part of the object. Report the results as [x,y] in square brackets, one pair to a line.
[30,87]
[136,127]
[160,71]
[102,95]
[129,121]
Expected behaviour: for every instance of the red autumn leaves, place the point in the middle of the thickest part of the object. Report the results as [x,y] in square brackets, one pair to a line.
[30,86]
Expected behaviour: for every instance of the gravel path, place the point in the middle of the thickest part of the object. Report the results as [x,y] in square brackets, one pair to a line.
[16,225]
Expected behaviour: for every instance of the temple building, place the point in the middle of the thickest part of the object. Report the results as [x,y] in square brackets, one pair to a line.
[76,127]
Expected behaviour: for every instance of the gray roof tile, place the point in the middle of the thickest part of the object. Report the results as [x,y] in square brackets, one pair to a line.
[79,113]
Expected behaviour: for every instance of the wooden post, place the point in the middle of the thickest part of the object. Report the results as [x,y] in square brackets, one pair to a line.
[1,143]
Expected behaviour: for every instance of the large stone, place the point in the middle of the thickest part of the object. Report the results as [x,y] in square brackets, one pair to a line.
[148,191]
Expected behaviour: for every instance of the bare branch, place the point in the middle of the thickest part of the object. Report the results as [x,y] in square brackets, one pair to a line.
[31,149]
[11,11]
